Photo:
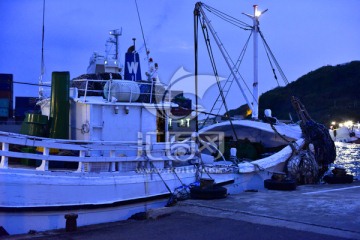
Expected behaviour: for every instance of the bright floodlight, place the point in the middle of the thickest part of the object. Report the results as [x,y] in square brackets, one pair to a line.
[348,124]
[257,13]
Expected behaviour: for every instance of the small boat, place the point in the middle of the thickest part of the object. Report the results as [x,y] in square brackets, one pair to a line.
[101,150]
[342,134]
[346,132]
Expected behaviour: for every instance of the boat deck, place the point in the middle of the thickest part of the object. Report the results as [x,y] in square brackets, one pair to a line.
[310,212]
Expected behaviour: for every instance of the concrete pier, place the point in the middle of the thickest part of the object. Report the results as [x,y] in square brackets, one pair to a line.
[310,212]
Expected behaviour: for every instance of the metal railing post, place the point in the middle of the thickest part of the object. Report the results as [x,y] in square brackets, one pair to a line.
[81,164]
[4,160]
[44,163]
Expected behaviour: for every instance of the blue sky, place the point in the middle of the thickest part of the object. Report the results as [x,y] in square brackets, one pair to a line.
[304,35]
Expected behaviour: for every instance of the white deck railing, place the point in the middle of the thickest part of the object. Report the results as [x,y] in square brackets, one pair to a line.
[151,93]
[94,152]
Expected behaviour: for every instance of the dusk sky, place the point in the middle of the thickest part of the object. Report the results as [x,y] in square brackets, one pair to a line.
[303,35]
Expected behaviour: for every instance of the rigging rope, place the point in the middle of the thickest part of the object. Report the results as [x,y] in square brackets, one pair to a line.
[142,31]
[237,66]
[225,53]
[32,84]
[269,53]
[42,70]
[212,60]
[274,59]
[271,65]
[228,18]
[158,172]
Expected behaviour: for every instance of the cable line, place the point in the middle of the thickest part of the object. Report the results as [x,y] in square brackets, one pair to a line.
[142,31]
[42,71]
[212,60]
[274,59]
[228,18]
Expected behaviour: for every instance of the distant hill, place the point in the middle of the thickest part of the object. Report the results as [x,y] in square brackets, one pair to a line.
[330,93]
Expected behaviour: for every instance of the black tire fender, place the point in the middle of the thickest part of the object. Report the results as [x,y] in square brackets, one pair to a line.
[215,192]
[333,179]
[284,185]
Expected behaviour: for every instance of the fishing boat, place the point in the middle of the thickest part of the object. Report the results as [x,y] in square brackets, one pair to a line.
[95,150]
[101,151]
[346,132]
[343,134]
[258,147]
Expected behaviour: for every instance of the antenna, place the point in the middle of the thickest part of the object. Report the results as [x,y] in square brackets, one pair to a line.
[134,39]
[116,33]
[142,31]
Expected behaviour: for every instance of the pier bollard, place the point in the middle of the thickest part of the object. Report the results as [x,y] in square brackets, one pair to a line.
[71,224]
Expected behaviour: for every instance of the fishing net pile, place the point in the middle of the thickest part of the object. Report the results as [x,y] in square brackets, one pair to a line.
[310,164]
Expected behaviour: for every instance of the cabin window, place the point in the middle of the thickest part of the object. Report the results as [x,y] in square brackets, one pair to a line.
[184,123]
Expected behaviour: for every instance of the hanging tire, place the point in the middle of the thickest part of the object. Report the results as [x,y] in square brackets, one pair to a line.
[215,192]
[334,179]
[284,185]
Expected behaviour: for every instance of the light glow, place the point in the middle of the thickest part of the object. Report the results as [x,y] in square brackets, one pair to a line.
[348,124]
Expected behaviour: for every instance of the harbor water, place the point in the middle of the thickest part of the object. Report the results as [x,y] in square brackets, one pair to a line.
[348,156]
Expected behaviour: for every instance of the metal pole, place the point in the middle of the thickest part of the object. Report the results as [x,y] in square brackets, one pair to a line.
[196,21]
[255,110]
[42,71]
[116,47]
[255,18]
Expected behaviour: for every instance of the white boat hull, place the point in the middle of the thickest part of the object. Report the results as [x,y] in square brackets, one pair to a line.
[39,201]
[342,134]
[256,131]
[22,222]
[34,189]
[38,198]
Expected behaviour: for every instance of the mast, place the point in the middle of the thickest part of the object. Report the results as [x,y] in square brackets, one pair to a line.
[116,33]
[255,30]
[42,70]
[255,112]
[196,26]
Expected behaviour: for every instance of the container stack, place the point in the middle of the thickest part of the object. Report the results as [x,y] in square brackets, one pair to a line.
[6,96]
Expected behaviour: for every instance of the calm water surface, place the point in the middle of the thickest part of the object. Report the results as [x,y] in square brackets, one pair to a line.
[348,155]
